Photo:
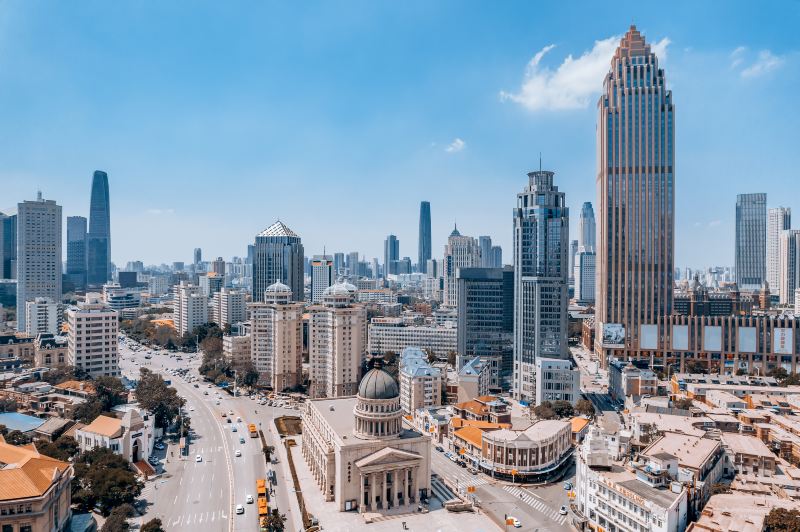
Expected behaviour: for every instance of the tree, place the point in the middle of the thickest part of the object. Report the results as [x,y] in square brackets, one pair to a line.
[451,358]
[59,375]
[718,488]
[275,521]
[186,426]
[778,372]
[695,366]
[389,358]
[8,405]
[740,372]
[563,409]
[268,450]
[16,437]
[88,411]
[103,479]
[782,520]
[682,404]
[212,345]
[153,525]
[118,519]
[584,408]
[431,356]
[791,380]
[544,410]
[110,392]
[64,448]
[154,395]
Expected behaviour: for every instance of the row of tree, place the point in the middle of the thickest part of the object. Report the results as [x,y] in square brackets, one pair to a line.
[562,409]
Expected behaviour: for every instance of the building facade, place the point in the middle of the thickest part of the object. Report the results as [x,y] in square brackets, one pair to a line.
[788,266]
[557,380]
[230,306]
[420,383]
[190,308]
[8,246]
[541,261]
[321,276]
[394,335]
[460,252]
[278,256]
[92,338]
[98,240]
[41,316]
[391,254]
[636,196]
[425,249]
[779,219]
[76,251]
[751,240]
[585,276]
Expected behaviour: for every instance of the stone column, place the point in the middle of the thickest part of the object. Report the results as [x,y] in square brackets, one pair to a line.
[361,506]
[414,490]
[404,486]
[393,489]
[373,484]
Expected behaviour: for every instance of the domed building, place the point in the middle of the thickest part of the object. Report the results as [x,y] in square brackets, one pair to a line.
[359,452]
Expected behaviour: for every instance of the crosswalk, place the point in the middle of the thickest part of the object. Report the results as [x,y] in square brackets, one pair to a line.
[202,518]
[536,504]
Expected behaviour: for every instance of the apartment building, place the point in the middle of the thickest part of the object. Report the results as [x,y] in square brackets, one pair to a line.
[92,339]
[394,334]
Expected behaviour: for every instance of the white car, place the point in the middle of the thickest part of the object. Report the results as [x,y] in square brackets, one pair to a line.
[238,453]
[515,522]
[239,509]
[198,458]
[249,499]
[563,510]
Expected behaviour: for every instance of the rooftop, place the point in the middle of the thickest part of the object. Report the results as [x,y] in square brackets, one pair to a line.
[26,473]
[110,427]
[691,451]
[539,431]
[277,229]
[733,511]
[741,444]
[20,422]
[473,435]
[663,498]
[338,414]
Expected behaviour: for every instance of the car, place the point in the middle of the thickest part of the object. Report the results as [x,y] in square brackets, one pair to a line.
[514,521]
[159,446]
[239,509]
[238,453]
[233,428]
[262,403]
[440,448]
[198,458]
[205,392]
[217,402]
[453,458]
[473,470]
[567,486]
[563,510]
[153,461]
[241,440]
[249,499]
[191,409]
[196,385]
[462,463]
[224,414]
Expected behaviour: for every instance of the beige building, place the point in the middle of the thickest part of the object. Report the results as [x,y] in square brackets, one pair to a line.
[51,351]
[276,338]
[395,334]
[35,490]
[359,452]
[531,455]
[337,342]
[131,435]
[93,337]
[420,383]
[190,308]
[460,252]
[237,349]
[229,306]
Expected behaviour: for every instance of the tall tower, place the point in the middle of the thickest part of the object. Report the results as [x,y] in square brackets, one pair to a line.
[424,236]
[751,240]
[460,252]
[76,251]
[391,253]
[38,253]
[198,257]
[98,241]
[278,256]
[541,264]
[322,276]
[586,228]
[8,246]
[636,197]
[485,243]
[778,220]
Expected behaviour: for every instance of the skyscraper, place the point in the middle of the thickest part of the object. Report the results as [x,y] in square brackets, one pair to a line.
[485,243]
[38,253]
[460,252]
[391,254]
[573,251]
[778,220]
[338,263]
[352,264]
[76,251]
[198,256]
[278,256]
[586,228]
[322,276]
[8,246]
[751,240]
[424,236]
[541,248]
[788,266]
[497,257]
[98,241]
[636,197]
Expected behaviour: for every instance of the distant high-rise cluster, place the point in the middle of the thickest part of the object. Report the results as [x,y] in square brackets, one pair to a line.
[584,263]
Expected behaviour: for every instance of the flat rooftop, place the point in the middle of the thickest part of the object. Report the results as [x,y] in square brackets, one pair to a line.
[627,479]
[690,451]
[749,445]
[338,414]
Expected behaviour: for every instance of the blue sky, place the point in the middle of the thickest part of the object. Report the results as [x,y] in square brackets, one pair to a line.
[213,119]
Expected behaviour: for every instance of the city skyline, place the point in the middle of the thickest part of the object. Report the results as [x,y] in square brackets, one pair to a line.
[446,153]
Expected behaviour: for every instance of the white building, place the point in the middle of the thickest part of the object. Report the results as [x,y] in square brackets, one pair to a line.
[420,383]
[41,316]
[460,252]
[321,276]
[158,285]
[378,295]
[130,436]
[474,379]
[236,349]
[584,276]
[276,338]
[788,265]
[556,380]
[92,337]
[778,220]
[229,307]
[190,308]
[118,298]
[393,334]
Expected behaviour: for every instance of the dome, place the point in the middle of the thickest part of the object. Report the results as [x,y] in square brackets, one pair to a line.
[378,384]
[278,287]
[340,288]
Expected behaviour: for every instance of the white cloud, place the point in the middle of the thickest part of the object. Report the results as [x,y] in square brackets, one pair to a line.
[737,56]
[766,62]
[576,81]
[456,146]
[160,212]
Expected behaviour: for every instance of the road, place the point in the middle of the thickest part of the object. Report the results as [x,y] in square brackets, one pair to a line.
[193,495]
[594,384]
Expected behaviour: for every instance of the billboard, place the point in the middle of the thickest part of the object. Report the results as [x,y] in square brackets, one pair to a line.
[712,338]
[648,336]
[747,339]
[680,337]
[613,335]
[782,341]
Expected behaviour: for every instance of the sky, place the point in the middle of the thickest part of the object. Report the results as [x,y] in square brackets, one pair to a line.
[214,119]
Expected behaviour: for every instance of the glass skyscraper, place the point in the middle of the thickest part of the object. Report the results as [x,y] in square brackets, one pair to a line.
[391,254]
[636,198]
[424,236]
[8,246]
[751,241]
[541,271]
[76,251]
[278,256]
[98,240]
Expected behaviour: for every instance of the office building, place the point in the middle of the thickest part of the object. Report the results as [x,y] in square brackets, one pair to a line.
[190,308]
[41,316]
[158,285]
[92,337]
[210,283]
[394,335]
[751,240]
[425,248]
[586,228]
[420,383]
[276,338]
[636,149]
[339,263]
[432,268]
[497,257]
[8,246]
[391,254]
[38,253]
[573,251]
[788,266]
[460,252]
[117,297]
[375,268]
[98,240]
[585,269]
[76,251]
[128,279]
[198,256]
[337,342]
[486,315]
[237,349]
[322,276]
[229,307]
[353,265]
[779,219]
[485,243]
[557,380]
[218,267]
[541,249]
[278,257]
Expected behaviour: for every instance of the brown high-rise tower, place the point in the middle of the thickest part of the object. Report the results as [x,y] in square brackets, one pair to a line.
[636,199]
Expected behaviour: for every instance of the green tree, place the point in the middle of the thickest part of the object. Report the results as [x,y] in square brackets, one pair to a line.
[110,392]
[118,519]
[791,380]
[682,404]
[431,356]
[212,345]
[268,450]
[103,479]
[88,411]
[451,358]
[544,410]
[695,366]
[153,525]
[154,395]
[8,405]
[186,426]
[64,448]
[584,408]
[16,437]
[563,409]
[782,520]
[275,521]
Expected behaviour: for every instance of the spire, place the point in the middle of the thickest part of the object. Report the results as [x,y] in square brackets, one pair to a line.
[455,230]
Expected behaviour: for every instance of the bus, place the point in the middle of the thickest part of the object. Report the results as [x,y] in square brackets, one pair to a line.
[253,430]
